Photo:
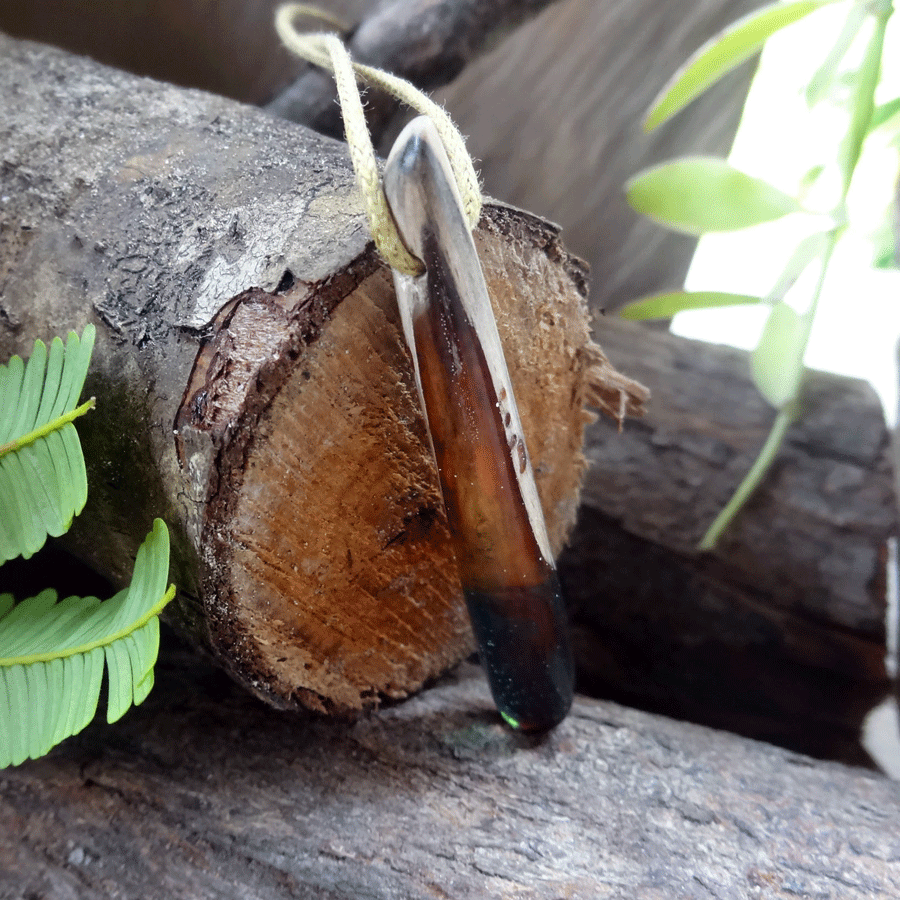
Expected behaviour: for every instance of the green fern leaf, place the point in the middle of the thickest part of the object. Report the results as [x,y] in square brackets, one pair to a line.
[43,482]
[54,654]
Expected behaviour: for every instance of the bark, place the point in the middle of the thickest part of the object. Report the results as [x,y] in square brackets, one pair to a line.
[202,793]
[779,633]
[552,111]
[254,387]
[428,42]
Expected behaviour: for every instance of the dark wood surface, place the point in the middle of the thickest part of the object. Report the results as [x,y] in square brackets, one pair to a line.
[204,794]
[778,633]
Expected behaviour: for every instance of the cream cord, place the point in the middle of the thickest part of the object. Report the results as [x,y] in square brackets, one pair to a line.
[328,52]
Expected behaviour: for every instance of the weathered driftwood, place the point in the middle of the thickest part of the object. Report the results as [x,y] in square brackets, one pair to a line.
[780,632]
[553,111]
[203,794]
[254,387]
[428,42]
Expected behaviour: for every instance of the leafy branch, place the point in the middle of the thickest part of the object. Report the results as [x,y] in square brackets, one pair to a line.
[53,654]
[699,195]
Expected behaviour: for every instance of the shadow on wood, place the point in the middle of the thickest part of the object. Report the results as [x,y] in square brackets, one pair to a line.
[780,632]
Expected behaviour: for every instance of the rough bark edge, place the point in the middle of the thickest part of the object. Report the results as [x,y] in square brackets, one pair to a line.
[606,389]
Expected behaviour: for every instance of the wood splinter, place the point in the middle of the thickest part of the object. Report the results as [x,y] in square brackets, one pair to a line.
[497,525]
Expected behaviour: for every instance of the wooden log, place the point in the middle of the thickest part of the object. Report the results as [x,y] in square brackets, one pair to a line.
[202,793]
[780,632]
[253,384]
[428,42]
[563,146]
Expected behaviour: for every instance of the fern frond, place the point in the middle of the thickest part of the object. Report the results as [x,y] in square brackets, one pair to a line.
[43,483]
[52,655]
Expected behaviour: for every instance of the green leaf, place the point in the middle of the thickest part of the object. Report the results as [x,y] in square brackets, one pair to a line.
[777,361]
[824,75]
[701,194]
[43,482]
[54,654]
[808,181]
[884,113]
[725,52]
[884,245]
[664,306]
[810,248]
[863,104]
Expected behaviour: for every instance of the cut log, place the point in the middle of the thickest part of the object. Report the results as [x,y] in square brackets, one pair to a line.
[203,794]
[780,632]
[253,384]
[553,111]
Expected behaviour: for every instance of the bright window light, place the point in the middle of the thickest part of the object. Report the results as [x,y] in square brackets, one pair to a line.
[782,140]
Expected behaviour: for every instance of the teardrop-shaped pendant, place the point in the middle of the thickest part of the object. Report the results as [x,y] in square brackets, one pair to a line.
[493,509]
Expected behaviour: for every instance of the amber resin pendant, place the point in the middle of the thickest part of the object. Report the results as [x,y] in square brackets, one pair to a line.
[500,540]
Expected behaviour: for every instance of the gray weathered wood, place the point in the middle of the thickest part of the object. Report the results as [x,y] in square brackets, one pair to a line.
[554,117]
[254,386]
[780,632]
[203,794]
[428,42]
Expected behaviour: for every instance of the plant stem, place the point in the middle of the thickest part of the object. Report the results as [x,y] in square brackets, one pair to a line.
[751,481]
[44,430]
[786,415]
[99,643]
[861,117]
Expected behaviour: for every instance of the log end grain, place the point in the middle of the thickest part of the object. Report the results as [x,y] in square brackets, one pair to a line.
[330,580]
[254,389]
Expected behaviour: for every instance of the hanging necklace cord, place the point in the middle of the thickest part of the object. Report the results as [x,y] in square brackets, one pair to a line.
[328,52]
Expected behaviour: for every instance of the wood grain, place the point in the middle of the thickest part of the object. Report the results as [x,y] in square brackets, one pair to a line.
[253,382]
[203,793]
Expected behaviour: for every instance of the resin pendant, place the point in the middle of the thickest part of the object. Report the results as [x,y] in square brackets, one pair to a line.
[493,509]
